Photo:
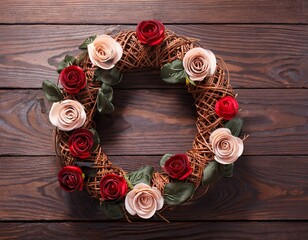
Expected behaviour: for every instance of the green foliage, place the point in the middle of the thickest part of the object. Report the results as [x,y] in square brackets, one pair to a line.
[110,77]
[173,72]
[52,91]
[107,91]
[103,104]
[214,171]
[227,169]
[142,175]
[211,173]
[96,140]
[235,125]
[67,61]
[176,193]
[84,45]
[163,160]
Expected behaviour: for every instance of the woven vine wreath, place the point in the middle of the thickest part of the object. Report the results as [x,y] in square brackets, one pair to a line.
[87,82]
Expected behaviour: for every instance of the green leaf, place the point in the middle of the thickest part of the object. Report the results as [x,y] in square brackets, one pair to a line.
[103,104]
[51,91]
[163,160]
[84,45]
[111,77]
[211,173]
[67,61]
[129,184]
[89,172]
[173,72]
[227,169]
[235,125]
[96,139]
[176,193]
[108,91]
[142,175]
[112,210]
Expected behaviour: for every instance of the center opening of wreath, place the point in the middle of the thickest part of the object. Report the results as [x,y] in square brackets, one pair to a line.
[150,117]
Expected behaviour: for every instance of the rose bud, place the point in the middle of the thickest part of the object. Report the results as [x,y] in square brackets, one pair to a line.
[226,107]
[150,32]
[70,178]
[113,187]
[178,166]
[80,143]
[73,79]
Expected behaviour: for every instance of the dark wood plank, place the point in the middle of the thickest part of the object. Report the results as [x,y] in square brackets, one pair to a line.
[262,188]
[258,56]
[119,11]
[148,122]
[182,230]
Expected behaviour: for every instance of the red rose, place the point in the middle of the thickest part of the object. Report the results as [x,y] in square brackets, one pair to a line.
[150,32]
[73,79]
[70,178]
[178,166]
[226,107]
[113,187]
[80,143]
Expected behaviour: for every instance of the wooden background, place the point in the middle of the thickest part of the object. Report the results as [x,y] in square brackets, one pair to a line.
[265,45]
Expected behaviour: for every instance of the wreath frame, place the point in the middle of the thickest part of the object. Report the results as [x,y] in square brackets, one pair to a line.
[136,56]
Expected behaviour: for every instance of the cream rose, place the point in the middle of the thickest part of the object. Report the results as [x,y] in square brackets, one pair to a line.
[144,201]
[105,52]
[67,115]
[199,63]
[226,147]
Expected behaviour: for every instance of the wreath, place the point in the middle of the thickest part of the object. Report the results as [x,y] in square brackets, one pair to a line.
[87,87]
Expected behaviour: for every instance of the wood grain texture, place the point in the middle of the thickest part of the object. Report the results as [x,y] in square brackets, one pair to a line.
[262,188]
[142,231]
[149,122]
[180,11]
[258,56]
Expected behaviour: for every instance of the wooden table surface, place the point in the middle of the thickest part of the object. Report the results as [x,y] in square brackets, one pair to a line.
[265,45]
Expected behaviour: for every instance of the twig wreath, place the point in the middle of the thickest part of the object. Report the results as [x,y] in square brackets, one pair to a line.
[87,82]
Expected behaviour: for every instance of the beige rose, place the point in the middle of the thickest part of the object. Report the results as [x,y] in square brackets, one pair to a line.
[226,147]
[199,63]
[144,201]
[67,115]
[105,52]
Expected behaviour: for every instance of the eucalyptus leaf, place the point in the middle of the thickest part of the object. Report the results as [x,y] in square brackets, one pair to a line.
[103,104]
[176,193]
[108,91]
[173,72]
[142,175]
[112,210]
[163,160]
[227,169]
[212,172]
[235,125]
[52,91]
[67,61]
[96,140]
[110,77]
[84,45]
